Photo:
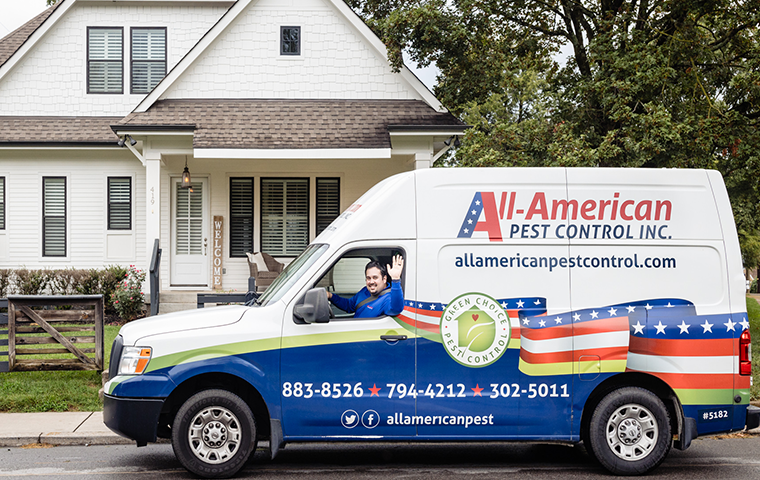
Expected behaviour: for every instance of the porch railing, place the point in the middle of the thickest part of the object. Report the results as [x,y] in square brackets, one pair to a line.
[155,277]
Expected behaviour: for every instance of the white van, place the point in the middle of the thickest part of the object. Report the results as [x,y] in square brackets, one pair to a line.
[565,305]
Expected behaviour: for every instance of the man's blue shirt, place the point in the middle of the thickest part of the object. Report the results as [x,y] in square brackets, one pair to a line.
[388,304]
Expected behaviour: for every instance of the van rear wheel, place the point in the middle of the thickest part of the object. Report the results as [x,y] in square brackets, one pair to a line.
[214,433]
[630,431]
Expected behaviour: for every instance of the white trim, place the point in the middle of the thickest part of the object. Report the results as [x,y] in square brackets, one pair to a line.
[135,152]
[62,147]
[293,153]
[425,133]
[340,6]
[191,56]
[145,133]
[32,40]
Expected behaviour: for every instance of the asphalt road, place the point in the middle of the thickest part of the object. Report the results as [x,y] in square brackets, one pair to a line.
[730,457]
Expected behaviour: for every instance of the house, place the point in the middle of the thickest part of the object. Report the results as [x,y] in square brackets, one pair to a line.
[282,113]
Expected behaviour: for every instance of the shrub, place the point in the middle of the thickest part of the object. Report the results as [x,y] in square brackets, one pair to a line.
[109,279]
[32,282]
[127,298]
[5,282]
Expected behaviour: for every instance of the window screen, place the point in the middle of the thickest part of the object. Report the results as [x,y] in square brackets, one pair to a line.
[148,58]
[119,203]
[284,215]
[241,216]
[54,216]
[328,202]
[105,60]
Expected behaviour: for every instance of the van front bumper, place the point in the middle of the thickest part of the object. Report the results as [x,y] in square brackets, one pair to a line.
[133,418]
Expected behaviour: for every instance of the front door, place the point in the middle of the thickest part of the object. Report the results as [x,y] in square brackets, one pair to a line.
[189,259]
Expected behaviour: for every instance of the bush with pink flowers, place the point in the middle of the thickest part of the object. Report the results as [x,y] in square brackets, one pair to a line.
[127,298]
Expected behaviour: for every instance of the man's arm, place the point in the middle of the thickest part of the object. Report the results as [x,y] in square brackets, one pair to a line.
[348,305]
[396,304]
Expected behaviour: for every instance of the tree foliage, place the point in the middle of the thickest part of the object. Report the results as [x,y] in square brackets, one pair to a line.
[648,83]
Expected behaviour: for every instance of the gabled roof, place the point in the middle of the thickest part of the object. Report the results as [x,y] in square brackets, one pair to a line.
[10,43]
[57,130]
[289,124]
[235,11]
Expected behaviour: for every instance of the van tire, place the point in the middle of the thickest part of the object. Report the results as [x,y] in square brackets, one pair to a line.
[214,433]
[629,431]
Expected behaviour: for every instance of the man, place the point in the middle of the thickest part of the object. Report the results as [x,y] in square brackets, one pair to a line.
[377,298]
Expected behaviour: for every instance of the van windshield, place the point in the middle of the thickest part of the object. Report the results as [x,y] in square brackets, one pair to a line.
[292,272]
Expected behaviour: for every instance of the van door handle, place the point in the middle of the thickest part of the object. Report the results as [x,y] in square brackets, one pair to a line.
[392,338]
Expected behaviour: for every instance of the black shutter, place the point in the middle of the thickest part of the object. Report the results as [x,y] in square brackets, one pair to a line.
[328,202]
[241,216]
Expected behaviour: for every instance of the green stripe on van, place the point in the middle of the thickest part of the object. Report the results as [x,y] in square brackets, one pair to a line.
[215,351]
[697,396]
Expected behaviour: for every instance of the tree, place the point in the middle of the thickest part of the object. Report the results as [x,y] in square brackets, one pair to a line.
[649,83]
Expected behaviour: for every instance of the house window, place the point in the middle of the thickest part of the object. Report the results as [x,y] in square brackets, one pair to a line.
[105,58]
[148,58]
[119,203]
[284,215]
[2,203]
[241,216]
[290,40]
[54,216]
[328,202]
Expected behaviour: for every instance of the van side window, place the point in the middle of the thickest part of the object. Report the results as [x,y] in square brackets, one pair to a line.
[346,278]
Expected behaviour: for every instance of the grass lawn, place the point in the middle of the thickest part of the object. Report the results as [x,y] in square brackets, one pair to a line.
[55,391]
[78,391]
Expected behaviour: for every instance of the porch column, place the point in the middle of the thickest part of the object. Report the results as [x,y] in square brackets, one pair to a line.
[422,160]
[152,203]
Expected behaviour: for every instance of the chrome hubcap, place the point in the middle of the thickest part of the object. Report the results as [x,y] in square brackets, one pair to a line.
[214,435]
[632,432]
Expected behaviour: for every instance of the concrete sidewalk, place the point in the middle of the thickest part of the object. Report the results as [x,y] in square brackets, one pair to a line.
[54,428]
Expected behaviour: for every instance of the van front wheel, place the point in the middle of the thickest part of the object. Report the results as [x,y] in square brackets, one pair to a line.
[213,434]
[630,431]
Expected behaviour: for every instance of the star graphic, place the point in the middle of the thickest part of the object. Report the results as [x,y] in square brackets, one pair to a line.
[477,390]
[542,323]
[558,320]
[613,311]
[730,325]
[660,328]
[707,327]
[744,323]
[469,221]
[638,328]
[420,305]
[648,307]
[537,302]
[474,212]
[668,305]
[520,304]
[504,305]
[466,230]
[684,328]
[630,309]
[432,306]
[594,314]
[477,202]
[526,321]
[375,389]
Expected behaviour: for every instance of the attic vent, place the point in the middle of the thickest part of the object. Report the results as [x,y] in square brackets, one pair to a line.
[290,40]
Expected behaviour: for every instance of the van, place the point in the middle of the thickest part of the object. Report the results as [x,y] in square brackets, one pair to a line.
[603,306]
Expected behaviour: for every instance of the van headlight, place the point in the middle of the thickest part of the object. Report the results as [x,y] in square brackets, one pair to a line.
[134,360]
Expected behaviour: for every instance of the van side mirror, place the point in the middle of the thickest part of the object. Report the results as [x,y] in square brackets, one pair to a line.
[315,307]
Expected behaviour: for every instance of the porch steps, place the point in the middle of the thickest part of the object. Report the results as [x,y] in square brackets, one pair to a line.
[177,301]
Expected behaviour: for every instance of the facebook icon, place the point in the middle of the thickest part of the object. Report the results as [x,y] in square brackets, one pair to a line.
[370,419]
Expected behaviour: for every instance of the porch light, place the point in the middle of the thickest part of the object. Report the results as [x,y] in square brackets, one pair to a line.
[186,182]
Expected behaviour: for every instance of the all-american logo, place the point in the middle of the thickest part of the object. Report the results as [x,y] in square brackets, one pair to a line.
[475,330]
[611,218]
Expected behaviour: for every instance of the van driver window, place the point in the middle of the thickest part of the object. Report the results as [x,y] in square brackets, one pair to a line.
[366,283]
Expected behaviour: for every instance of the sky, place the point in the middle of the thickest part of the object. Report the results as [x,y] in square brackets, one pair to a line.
[14,13]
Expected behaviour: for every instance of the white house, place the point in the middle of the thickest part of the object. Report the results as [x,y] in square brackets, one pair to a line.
[283,111]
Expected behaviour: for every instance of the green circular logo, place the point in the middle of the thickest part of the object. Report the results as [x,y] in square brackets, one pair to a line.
[475,330]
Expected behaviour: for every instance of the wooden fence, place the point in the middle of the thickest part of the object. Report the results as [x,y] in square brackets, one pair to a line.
[35,321]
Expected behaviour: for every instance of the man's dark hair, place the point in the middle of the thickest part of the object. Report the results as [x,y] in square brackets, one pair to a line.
[379,266]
